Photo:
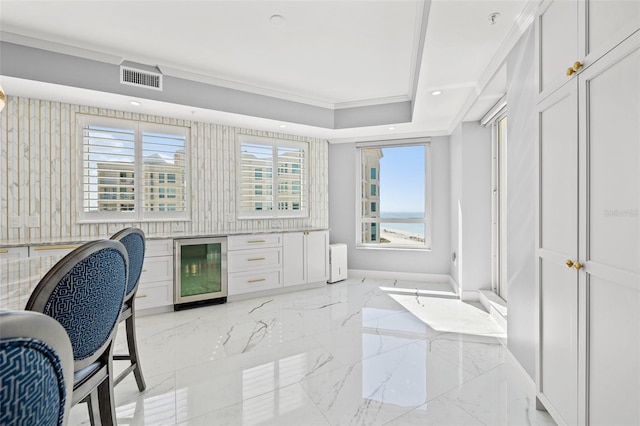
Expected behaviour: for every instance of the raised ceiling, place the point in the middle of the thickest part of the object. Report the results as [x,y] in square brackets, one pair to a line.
[342,70]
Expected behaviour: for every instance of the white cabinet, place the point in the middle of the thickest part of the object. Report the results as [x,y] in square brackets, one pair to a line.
[156,280]
[571,31]
[588,233]
[306,257]
[13,252]
[254,263]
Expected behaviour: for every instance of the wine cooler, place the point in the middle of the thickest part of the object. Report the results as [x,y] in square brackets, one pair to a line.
[200,272]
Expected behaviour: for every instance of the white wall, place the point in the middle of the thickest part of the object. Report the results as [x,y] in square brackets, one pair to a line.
[39,157]
[521,201]
[342,219]
[470,206]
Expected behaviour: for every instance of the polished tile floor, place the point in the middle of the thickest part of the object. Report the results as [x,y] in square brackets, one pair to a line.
[358,352]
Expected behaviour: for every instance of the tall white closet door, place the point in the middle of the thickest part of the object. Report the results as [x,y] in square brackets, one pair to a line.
[557,43]
[610,200]
[557,243]
[608,22]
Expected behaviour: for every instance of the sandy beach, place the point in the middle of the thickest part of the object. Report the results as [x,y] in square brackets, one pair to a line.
[394,236]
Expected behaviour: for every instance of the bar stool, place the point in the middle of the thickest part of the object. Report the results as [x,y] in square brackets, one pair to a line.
[134,241]
[36,370]
[84,292]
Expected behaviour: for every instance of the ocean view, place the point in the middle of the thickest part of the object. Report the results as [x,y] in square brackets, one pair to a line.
[408,228]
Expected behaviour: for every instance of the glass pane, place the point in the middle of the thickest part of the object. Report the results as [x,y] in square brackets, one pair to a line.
[200,269]
[164,171]
[291,175]
[393,187]
[108,169]
[256,186]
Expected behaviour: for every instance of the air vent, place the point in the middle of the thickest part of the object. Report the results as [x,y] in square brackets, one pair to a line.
[140,78]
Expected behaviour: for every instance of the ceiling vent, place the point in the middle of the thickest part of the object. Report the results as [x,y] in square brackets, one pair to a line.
[135,76]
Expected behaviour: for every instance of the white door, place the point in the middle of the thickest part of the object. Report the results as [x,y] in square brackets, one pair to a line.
[557,243]
[610,200]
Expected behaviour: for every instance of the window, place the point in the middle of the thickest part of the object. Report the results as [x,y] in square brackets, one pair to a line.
[394,212]
[129,162]
[258,157]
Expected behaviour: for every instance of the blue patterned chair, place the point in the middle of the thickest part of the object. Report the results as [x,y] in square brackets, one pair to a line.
[36,370]
[134,241]
[84,292]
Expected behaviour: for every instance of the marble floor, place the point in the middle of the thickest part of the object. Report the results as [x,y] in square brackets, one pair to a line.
[358,352]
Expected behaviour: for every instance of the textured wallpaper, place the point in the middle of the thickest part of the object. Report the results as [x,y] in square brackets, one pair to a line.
[40,177]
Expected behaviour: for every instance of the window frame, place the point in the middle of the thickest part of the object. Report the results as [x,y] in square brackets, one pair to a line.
[275,144]
[360,220]
[138,214]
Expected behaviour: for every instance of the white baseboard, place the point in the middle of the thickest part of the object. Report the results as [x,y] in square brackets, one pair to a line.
[274,291]
[520,368]
[432,278]
[469,296]
[454,285]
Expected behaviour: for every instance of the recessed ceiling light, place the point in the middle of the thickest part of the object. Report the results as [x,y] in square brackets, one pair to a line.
[283,126]
[134,103]
[391,128]
[277,20]
[493,18]
[436,92]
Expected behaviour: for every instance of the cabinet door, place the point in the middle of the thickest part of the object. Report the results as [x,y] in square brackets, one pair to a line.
[13,252]
[317,256]
[557,43]
[610,200]
[607,23]
[293,258]
[558,242]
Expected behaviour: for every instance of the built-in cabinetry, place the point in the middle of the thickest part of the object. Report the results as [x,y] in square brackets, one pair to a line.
[588,237]
[156,280]
[272,261]
[13,252]
[306,257]
[254,262]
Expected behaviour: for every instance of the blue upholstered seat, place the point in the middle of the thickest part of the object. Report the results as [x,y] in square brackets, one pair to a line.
[36,370]
[134,241]
[84,292]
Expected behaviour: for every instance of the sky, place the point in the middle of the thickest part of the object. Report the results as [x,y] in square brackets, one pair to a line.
[402,179]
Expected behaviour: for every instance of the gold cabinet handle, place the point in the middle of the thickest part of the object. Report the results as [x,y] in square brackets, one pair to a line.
[256,258]
[575,265]
[4,251]
[574,69]
[144,270]
[141,296]
[257,281]
[257,241]
[55,248]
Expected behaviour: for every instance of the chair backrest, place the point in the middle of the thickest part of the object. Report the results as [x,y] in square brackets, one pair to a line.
[36,369]
[84,292]
[134,241]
